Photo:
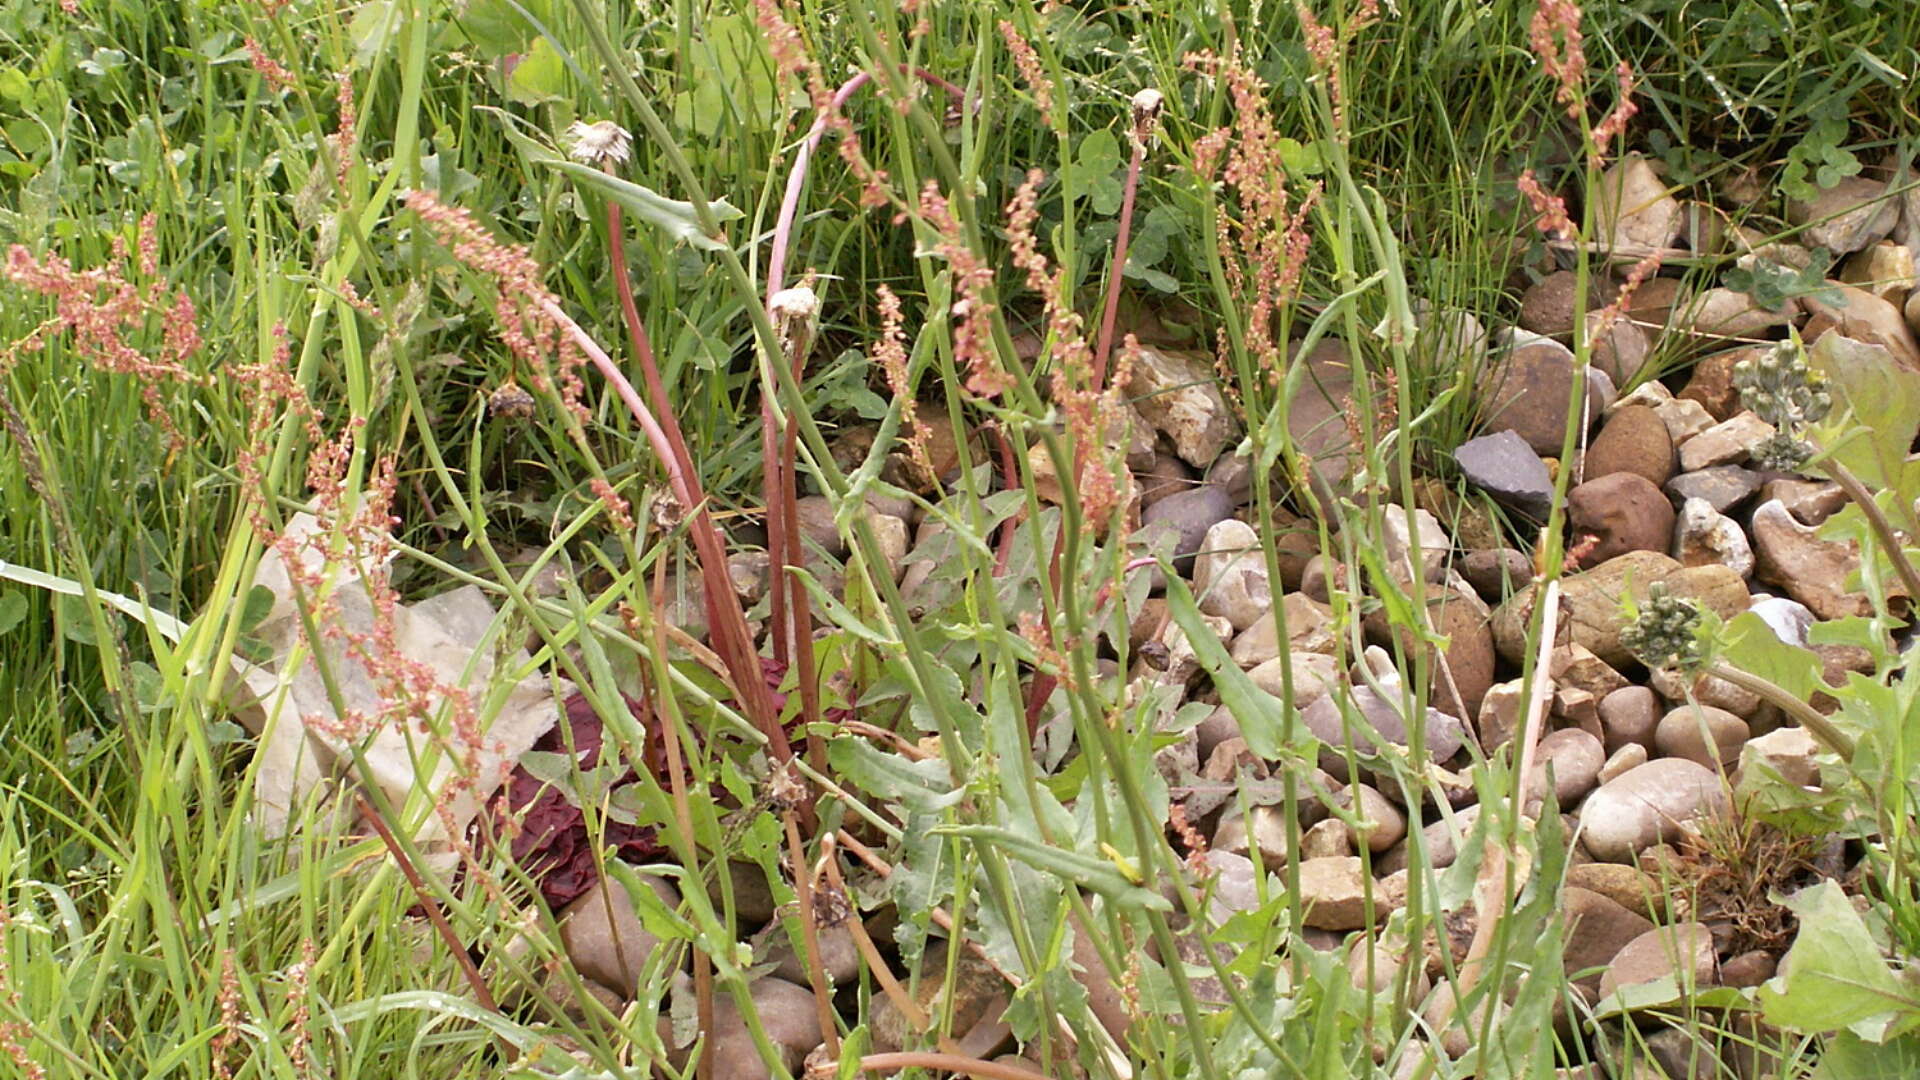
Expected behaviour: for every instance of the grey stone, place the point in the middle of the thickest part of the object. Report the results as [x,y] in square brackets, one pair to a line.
[1189,514]
[1506,467]
[1722,487]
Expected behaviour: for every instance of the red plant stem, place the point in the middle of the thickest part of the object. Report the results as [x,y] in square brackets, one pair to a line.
[1118,270]
[1042,687]
[732,641]
[810,935]
[682,811]
[637,335]
[1010,476]
[434,915]
[777,460]
[797,179]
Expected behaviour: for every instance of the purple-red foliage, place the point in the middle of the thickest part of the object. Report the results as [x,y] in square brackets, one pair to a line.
[552,844]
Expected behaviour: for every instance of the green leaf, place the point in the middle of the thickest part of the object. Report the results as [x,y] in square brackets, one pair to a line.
[1100,875]
[676,218]
[539,77]
[1846,1056]
[1257,712]
[1749,644]
[13,608]
[1876,410]
[372,29]
[1833,977]
[925,786]
[15,85]
[1300,159]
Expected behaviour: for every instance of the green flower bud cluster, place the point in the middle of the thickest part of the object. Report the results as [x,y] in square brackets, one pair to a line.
[1665,632]
[1784,390]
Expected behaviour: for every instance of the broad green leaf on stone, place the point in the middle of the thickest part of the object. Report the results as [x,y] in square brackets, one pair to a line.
[1833,977]
[1847,1056]
[925,786]
[1876,414]
[1100,875]
[538,77]
[1258,713]
[1749,644]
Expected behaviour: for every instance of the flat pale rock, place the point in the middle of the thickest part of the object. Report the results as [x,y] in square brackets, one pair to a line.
[1885,269]
[1633,440]
[1332,892]
[1811,570]
[1729,442]
[1721,487]
[1684,951]
[1636,212]
[1852,214]
[1178,393]
[1647,806]
[1723,313]
[1592,601]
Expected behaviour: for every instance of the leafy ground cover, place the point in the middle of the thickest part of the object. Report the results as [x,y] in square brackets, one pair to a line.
[570,539]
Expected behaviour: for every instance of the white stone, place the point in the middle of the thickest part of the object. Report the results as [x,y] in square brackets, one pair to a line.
[1702,536]
[1230,574]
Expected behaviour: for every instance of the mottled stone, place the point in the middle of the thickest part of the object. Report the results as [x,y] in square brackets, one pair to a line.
[1188,515]
[1811,570]
[1332,892]
[1633,440]
[1179,394]
[1811,502]
[1630,756]
[1504,466]
[1712,382]
[1852,214]
[1684,951]
[1704,537]
[1529,392]
[1729,442]
[1496,572]
[1230,574]
[1597,929]
[1722,487]
[605,938]
[1728,313]
[1623,512]
[1382,823]
[1649,805]
[1636,213]
[1701,734]
[1574,757]
[1592,601]
[1444,733]
[1547,306]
